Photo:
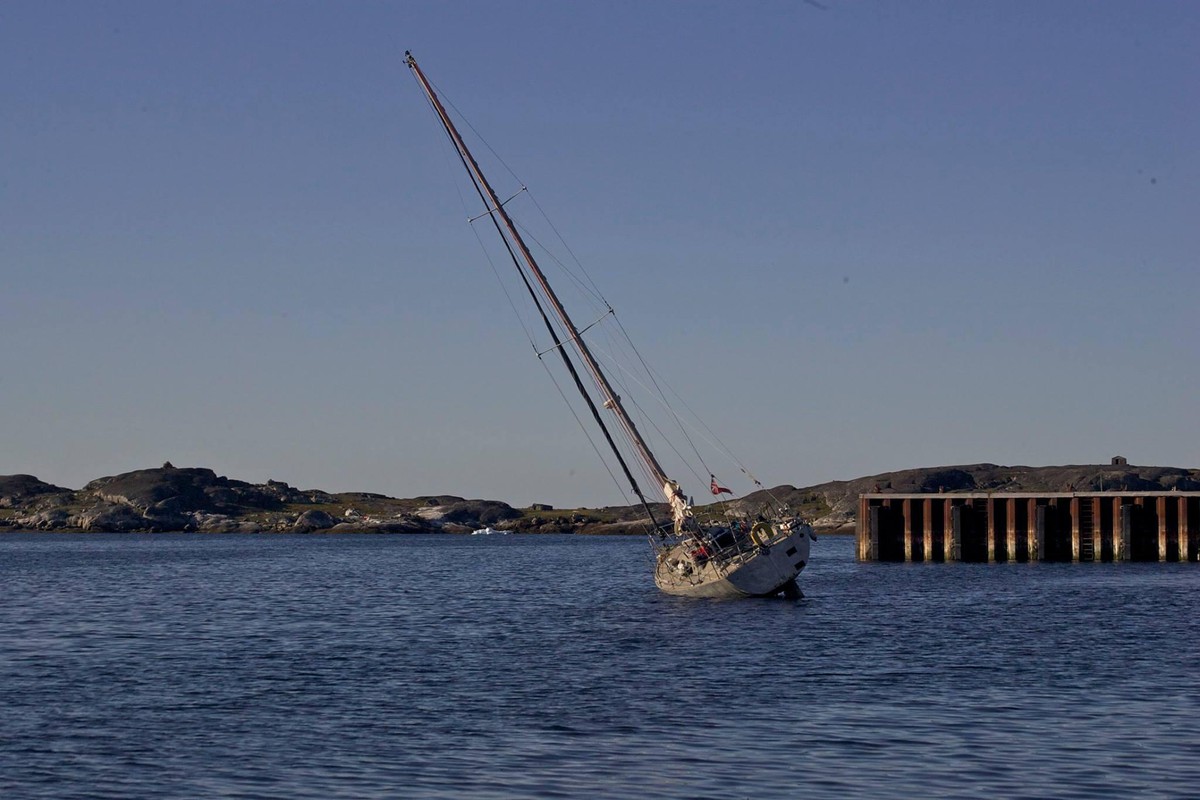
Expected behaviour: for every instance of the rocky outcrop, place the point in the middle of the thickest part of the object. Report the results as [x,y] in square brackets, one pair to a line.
[55,519]
[173,490]
[479,512]
[839,499]
[110,517]
[313,520]
[16,491]
[197,499]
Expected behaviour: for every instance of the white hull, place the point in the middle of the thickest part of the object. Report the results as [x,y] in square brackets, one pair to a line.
[757,572]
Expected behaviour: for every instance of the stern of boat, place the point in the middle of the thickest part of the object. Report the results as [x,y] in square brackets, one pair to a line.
[764,565]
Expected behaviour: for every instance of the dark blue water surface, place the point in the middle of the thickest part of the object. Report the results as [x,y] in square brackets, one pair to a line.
[504,666]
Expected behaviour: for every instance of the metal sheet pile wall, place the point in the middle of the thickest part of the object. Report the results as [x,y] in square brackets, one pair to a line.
[998,527]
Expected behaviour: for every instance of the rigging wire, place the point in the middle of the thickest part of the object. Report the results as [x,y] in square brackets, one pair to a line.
[504,288]
[490,211]
[478,135]
[590,284]
[571,252]
[566,270]
[502,203]
[480,185]
[660,395]
[621,343]
[593,289]
[659,391]
[616,363]
[463,201]
[583,428]
[718,444]
[625,391]
[508,295]
[558,343]
[581,332]
[650,420]
[588,287]
[619,380]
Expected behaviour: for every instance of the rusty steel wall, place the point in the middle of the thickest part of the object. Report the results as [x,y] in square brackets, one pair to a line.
[1005,527]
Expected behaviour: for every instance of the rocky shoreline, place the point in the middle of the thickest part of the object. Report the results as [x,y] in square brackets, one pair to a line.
[196,499]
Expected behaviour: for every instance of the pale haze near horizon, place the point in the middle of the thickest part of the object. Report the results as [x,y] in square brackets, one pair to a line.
[857,237]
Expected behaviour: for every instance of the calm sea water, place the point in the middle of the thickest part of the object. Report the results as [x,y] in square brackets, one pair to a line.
[495,667]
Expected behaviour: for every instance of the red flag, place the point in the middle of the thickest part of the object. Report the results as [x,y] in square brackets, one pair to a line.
[717,488]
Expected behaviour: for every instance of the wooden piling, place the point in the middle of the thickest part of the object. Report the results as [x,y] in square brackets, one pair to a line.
[1118,554]
[1127,512]
[906,510]
[864,542]
[1074,529]
[1031,530]
[1161,526]
[1160,507]
[1010,532]
[948,553]
[991,530]
[1043,512]
[957,525]
[1185,526]
[927,529]
[873,537]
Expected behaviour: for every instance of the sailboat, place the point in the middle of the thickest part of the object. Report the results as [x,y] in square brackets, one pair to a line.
[758,555]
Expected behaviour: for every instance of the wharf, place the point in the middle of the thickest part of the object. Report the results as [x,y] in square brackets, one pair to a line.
[1018,526]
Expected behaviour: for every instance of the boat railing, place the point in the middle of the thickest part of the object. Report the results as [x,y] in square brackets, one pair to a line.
[731,546]
[723,547]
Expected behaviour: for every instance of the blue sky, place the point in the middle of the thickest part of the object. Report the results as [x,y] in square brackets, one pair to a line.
[856,236]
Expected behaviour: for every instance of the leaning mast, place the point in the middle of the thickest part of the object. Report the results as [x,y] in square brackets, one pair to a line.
[611,399]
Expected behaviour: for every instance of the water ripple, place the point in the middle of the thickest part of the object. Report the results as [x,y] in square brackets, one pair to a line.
[500,667]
